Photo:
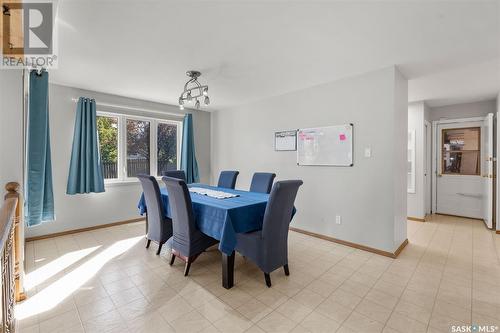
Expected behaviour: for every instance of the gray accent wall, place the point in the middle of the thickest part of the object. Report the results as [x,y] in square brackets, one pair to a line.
[464,110]
[119,202]
[370,197]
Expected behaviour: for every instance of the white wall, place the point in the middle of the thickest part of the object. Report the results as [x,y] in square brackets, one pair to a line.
[497,146]
[119,202]
[371,195]
[465,110]
[11,127]
[416,117]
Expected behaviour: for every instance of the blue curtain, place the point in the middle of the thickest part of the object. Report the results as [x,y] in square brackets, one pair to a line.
[85,169]
[39,191]
[188,156]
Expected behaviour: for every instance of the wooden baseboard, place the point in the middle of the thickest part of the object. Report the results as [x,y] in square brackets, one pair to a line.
[354,245]
[74,231]
[498,232]
[462,217]
[417,219]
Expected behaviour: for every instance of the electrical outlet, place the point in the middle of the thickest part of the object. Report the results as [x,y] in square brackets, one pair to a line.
[338,220]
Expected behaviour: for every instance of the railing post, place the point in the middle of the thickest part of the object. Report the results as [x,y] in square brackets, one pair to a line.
[18,246]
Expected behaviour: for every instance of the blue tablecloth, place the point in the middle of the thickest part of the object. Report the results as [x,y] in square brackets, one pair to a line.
[222,219]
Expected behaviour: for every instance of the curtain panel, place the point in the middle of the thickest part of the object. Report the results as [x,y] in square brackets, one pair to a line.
[85,170]
[188,156]
[39,189]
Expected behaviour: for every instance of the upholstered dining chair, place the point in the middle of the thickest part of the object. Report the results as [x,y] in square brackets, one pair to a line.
[159,226]
[188,242]
[268,248]
[227,179]
[179,174]
[262,182]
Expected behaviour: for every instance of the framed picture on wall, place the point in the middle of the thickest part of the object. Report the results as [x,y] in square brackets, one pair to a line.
[285,140]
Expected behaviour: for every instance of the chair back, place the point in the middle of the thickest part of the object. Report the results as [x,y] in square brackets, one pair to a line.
[158,229]
[278,215]
[181,207]
[227,179]
[262,182]
[179,174]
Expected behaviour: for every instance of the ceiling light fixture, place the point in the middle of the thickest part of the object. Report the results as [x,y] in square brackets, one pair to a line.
[193,90]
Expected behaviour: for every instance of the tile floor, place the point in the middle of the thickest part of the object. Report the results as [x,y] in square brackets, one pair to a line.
[106,281]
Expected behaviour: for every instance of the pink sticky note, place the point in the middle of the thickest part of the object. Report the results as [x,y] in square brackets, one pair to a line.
[342,137]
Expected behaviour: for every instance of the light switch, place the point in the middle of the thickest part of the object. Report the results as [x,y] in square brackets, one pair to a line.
[368,152]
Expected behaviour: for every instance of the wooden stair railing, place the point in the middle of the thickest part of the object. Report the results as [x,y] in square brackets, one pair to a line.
[12,255]
[13,192]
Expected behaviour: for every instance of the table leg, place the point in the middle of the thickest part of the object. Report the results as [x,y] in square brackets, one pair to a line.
[228,270]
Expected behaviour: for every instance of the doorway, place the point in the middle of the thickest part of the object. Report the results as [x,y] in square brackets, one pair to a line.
[464,167]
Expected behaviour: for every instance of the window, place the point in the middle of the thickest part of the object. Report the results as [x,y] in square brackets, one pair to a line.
[132,145]
[138,145]
[108,145]
[461,151]
[167,147]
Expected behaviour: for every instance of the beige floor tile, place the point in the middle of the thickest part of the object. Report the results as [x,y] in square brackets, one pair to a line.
[294,310]
[382,298]
[443,323]
[272,298]
[235,298]
[233,322]
[134,309]
[413,311]
[373,311]
[404,324]
[309,299]
[355,287]
[126,296]
[61,323]
[214,309]
[317,323]
[153,323]
[346,299]
[255,329]
[254,310]
[276,322]
[29,329]
[363,324]
[110,321]
[94,309]
[333,310]
[190,322]
[452,310]
[174,308]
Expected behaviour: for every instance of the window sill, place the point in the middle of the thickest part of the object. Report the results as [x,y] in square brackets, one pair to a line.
[113,183]
[126,182]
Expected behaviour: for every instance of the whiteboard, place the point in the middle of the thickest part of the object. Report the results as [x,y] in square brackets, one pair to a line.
[330,145]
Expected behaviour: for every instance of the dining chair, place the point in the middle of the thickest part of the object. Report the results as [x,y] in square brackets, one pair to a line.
[159,227]
[179,174]
[227,179]
[262,182]
[188,242]
[268,248]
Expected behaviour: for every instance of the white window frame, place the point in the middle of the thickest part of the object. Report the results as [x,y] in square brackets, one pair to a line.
[153,144]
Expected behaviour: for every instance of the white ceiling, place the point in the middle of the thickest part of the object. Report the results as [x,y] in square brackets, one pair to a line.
[249,51]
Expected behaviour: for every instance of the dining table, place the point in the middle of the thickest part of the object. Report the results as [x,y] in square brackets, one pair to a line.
[222,219]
